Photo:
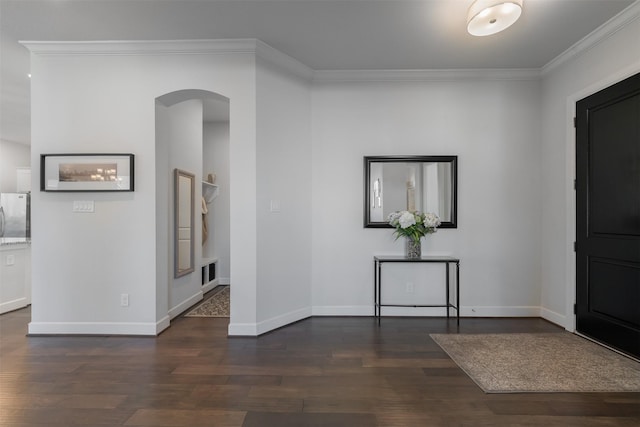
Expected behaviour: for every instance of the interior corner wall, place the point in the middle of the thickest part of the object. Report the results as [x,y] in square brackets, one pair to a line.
[493,126]
[105,102]
[284,193]
[609,61]
[185,129]
[164,208]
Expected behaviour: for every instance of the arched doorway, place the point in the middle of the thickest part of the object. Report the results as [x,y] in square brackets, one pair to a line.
[192,134]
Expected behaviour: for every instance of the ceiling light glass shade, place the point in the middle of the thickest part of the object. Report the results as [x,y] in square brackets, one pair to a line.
[488,17]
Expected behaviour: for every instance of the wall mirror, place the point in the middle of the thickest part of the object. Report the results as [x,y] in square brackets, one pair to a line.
[421,183]
[184,195]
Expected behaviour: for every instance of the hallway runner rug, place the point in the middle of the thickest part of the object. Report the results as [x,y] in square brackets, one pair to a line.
[217,305]
[540,362]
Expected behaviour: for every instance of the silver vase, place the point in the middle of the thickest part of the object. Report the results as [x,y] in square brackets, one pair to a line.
[412,249]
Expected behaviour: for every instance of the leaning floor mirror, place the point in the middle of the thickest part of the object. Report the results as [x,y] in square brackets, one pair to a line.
[413,183]
[184,195]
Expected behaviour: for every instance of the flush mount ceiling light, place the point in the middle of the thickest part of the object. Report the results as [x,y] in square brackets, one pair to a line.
[488,17]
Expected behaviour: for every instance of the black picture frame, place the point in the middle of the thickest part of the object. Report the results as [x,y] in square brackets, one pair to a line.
[87,172]
[368,191]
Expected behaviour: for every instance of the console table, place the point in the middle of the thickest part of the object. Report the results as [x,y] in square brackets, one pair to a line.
[447,261]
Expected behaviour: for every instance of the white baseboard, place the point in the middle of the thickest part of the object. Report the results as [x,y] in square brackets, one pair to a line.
[242,330]
[342,310]
[283,320]
[93,328]
[224,281]
[14,305]
[499,311]
[163,324]
[482,311]
[416,311]
[255,329]
[553,317]
[208,286]
[185,305]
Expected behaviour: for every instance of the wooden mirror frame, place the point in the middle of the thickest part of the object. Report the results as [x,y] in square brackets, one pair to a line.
[183,203]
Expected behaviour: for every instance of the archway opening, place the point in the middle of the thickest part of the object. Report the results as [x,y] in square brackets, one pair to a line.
[192,134]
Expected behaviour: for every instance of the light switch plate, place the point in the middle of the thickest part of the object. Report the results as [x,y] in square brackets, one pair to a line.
[11,259]
[86,206]
[275,206]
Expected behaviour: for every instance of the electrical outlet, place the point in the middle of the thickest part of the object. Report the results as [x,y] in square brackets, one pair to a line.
[11,259]
[124,300]
[409,287]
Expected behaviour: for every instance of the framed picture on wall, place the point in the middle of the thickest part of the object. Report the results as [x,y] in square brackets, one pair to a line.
[86,172]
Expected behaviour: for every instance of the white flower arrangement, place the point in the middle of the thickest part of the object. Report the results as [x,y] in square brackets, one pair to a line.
[413,225]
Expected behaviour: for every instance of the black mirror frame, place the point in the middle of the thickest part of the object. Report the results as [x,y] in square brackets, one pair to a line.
[378,159]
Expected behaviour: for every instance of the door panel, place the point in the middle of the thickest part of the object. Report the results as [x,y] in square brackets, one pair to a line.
[614,182]
[614,293]
[608,216]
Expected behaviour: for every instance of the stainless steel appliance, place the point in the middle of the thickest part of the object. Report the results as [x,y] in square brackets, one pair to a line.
[15,215]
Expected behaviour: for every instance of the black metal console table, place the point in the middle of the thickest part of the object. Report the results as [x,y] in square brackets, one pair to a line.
[377,287]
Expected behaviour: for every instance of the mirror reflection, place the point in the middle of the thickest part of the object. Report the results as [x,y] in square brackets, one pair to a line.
[414,183]
[184,232]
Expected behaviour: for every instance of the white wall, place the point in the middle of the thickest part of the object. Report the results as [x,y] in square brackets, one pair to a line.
[611,58]
[12,156]
[184,122]
[283,146]
[105,102]
[493,126]
[164,231]
[216,160]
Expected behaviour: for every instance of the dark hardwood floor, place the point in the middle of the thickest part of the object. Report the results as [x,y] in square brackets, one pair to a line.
[323,371]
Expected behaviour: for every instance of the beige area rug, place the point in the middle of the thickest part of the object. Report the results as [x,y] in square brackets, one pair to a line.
[217,305]
[540,362]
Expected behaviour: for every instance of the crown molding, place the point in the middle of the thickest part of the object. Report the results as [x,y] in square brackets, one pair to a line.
[282,60]
[139,47]
[600,34]
[171,47]
[267,53]
[332,76]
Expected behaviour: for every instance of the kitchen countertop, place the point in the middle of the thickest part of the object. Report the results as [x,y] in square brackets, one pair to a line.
[10,241]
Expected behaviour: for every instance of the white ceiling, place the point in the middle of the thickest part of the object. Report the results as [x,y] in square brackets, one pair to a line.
[322,34]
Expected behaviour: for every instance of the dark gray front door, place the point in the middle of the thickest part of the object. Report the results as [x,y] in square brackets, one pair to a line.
[608,216]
